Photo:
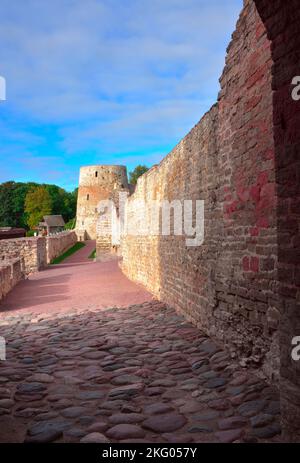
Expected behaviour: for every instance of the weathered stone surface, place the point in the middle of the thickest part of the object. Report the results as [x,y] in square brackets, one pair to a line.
[41,378]
[163,383]
[252,408]
[199,364]
[43,428]
[90,395]
[234,422]
[215,383]
[98,426]
[45,437]
[157,409]
[30,388]
[126,391]
[6,403]
[273,408]
[178,438]
[94,438]
[125,431]
[200,428]
[219,404]
[227,437]
[165,423]
[261,420]
[267,431]
[206,415]
[126,418]
[154,409]
[125,379]
[73,412]
[27,412]
[127,408]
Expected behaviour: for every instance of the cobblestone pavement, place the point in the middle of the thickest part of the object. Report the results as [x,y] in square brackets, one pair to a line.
[136,374]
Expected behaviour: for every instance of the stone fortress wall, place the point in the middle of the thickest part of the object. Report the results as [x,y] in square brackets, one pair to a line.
[228,285]
[242,159]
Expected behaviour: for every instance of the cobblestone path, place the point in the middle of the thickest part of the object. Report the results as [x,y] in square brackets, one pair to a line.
[136,374]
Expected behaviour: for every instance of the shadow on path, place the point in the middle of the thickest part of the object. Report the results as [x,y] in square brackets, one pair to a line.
[77,283]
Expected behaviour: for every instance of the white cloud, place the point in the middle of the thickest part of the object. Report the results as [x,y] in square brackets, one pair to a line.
[110,74]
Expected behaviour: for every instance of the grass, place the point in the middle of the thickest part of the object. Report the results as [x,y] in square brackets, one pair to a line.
[93,254]
[68,253]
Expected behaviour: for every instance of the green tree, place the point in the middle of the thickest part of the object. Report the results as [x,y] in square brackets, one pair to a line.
[136,173]
[63,202]
[6,206]
[70,225]
[18,203]
[12,202]
[12,199]
[38,203]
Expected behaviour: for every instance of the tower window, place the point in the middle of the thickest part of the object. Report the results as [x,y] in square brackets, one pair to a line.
[87,197]
[96,174]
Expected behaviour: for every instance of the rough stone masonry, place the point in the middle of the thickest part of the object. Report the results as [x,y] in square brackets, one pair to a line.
[228,285]
[242,159]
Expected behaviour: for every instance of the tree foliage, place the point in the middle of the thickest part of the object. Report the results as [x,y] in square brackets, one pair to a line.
[12,202]
[38,203]
[70,225]
[136,173]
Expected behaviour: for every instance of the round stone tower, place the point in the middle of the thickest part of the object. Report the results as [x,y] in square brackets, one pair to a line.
[96,183]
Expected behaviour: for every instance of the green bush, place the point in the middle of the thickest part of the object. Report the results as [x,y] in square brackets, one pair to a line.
[30,233]
[71,224]
[136,173]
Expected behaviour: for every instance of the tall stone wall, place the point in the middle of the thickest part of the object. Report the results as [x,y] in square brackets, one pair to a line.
[281,19]
[32,250]
[246,270]
[228,285]
[59,243]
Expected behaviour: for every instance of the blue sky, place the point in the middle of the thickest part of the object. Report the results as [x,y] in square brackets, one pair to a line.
[105,81]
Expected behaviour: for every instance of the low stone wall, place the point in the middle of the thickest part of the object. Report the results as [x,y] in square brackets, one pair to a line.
[58,244]
[36,252]
[10,274]
[22,256]
[32,250]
